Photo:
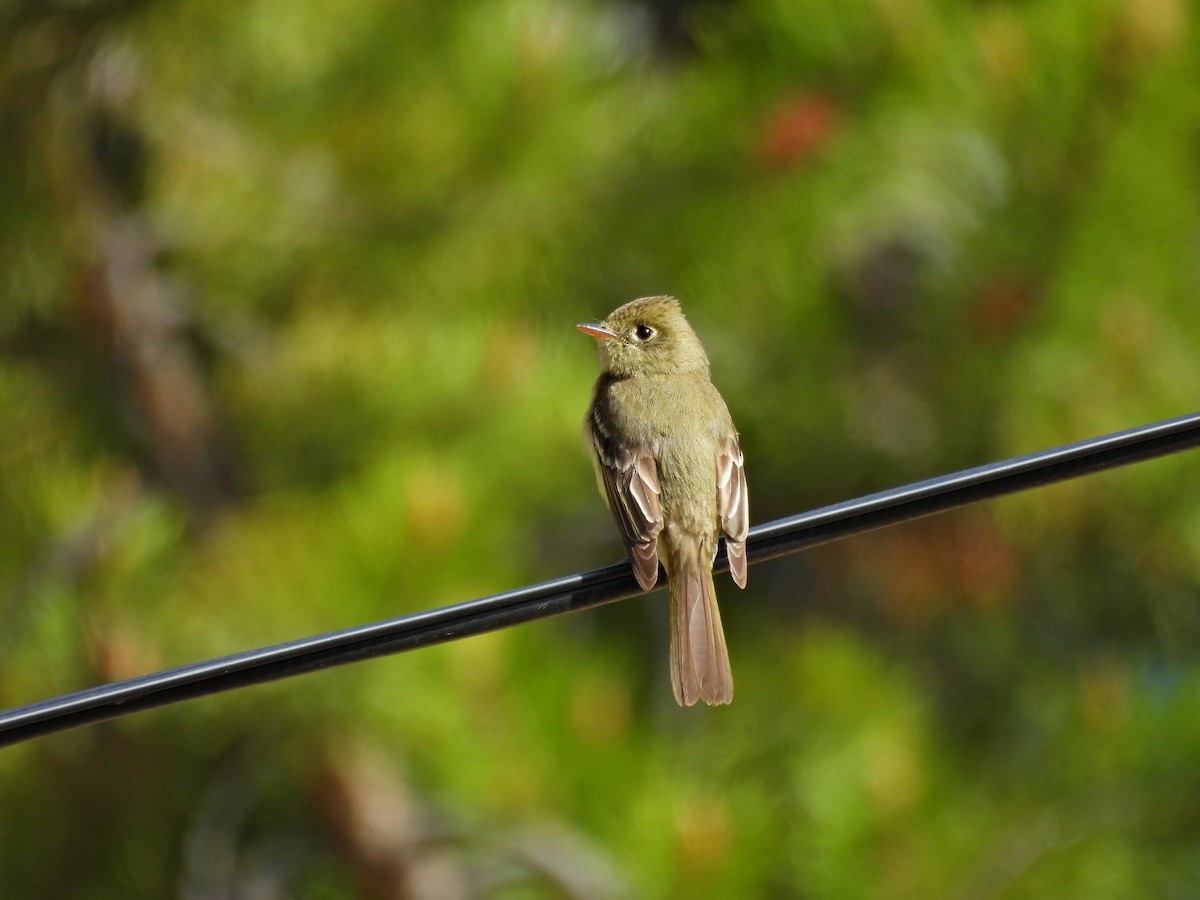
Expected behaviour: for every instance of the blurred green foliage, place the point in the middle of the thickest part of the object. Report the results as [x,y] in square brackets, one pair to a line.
[286,295]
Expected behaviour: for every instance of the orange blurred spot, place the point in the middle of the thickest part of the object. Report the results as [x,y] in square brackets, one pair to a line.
[797,129]
[510,357]
[1000,308]
[1147,29]
[703,838]
[1004,51]
[437,507]
[931,566]
[119,649]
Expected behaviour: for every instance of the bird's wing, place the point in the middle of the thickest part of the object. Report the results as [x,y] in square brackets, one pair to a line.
[629,479]
[733,504]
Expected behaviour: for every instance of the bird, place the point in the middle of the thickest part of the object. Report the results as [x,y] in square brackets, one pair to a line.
[670,469]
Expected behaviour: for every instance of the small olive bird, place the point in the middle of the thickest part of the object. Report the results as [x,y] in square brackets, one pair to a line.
[669,467]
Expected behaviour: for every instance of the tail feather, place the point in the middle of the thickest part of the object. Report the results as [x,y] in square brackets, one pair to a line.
[699,659]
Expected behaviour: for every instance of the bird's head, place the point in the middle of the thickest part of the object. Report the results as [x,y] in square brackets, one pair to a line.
[647,336]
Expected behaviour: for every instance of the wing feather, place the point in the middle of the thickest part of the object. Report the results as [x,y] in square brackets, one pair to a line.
[733,504]
[629,477]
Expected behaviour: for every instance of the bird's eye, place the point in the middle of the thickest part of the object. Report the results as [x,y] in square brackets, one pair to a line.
[643,333]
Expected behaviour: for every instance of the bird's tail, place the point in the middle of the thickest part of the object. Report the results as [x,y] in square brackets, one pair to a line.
[699,660]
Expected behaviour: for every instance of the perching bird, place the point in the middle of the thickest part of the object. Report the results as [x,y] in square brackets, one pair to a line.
[670,469]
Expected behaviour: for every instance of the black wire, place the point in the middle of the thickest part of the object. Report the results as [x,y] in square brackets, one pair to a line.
[588,589]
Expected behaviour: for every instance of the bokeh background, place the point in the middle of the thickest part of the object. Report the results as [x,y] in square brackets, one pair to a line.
[287,290]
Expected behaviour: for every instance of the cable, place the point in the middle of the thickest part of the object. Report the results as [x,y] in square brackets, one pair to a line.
[588,589]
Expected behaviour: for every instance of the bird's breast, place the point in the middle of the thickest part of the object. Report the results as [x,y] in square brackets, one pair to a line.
[680,420]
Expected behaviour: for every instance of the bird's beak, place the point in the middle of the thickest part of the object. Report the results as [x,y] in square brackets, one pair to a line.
[597,330]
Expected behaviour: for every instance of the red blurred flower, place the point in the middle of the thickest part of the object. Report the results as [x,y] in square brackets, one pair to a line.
[797,129]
